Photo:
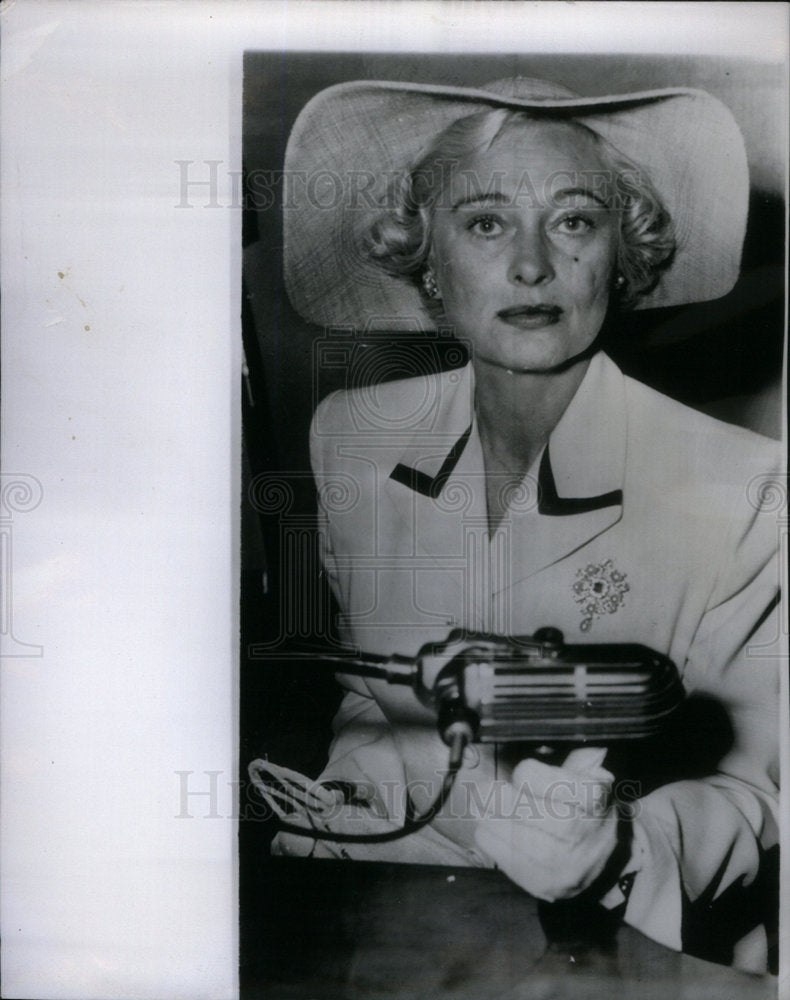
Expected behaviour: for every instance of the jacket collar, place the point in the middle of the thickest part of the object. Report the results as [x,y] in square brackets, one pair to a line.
[573,491]
[585,455]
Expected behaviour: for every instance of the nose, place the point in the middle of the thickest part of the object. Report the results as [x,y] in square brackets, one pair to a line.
[531,260]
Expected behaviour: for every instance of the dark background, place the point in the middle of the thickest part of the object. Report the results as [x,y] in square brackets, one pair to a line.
[722,357]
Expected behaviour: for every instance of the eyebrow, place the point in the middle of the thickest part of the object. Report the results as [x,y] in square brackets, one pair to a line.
[497,198]
[484,198]
[584,192]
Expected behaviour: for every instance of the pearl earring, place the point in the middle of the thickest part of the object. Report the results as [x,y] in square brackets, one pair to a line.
[429,284]
[619,281]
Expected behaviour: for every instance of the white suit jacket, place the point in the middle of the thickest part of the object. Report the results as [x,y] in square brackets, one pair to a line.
[642,521]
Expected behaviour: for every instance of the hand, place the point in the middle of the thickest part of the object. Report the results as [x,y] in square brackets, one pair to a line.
[435,657]
[557,829]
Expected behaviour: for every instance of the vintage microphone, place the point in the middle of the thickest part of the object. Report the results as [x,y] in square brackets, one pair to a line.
[536,691]
[533,690]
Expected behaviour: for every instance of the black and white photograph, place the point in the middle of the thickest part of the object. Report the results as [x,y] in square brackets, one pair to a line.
[394,500]
[514,339]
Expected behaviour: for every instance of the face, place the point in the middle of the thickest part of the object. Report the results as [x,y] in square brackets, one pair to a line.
[523,247]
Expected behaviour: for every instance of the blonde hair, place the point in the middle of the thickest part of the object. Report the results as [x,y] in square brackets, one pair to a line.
[400,240]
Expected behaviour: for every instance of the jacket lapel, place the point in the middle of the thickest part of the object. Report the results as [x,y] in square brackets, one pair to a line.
[433,496]
[436,486]
[576,484]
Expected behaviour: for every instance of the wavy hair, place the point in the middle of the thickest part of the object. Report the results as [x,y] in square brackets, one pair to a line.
[400,240]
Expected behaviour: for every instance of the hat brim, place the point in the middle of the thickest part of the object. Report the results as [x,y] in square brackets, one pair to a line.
[351,139]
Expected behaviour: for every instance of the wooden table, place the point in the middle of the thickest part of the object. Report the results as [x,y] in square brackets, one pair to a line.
[336,930]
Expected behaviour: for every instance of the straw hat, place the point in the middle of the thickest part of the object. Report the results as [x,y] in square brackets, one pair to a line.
[351,139]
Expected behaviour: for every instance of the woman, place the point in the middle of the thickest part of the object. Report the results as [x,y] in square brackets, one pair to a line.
[538,485]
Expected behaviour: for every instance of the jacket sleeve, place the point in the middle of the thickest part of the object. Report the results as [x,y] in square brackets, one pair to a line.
[360,726]
[701,848]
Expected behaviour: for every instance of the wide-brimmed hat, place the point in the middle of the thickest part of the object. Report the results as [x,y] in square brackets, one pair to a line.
[352,139]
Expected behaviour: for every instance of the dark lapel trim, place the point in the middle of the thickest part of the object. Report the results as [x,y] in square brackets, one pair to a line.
[421,482]
[550,503]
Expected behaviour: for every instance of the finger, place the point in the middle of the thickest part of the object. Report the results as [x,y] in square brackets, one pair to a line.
[534,777]
[536,782]
[588,760]
[535,838]
[527,857]
[510,845]
[544,865]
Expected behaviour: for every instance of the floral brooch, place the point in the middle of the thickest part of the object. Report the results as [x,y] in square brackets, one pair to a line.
[600,590]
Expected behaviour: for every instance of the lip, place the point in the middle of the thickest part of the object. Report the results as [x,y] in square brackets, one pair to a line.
[531,317]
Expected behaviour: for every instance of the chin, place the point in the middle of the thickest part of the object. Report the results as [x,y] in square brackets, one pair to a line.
[556,357]
[545,362]
[538,352]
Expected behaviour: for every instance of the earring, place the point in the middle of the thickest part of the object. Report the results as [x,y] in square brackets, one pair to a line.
[429,284]
[619,282]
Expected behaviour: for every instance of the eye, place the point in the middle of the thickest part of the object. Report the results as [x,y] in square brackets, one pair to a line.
[485,225]
[575,223]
